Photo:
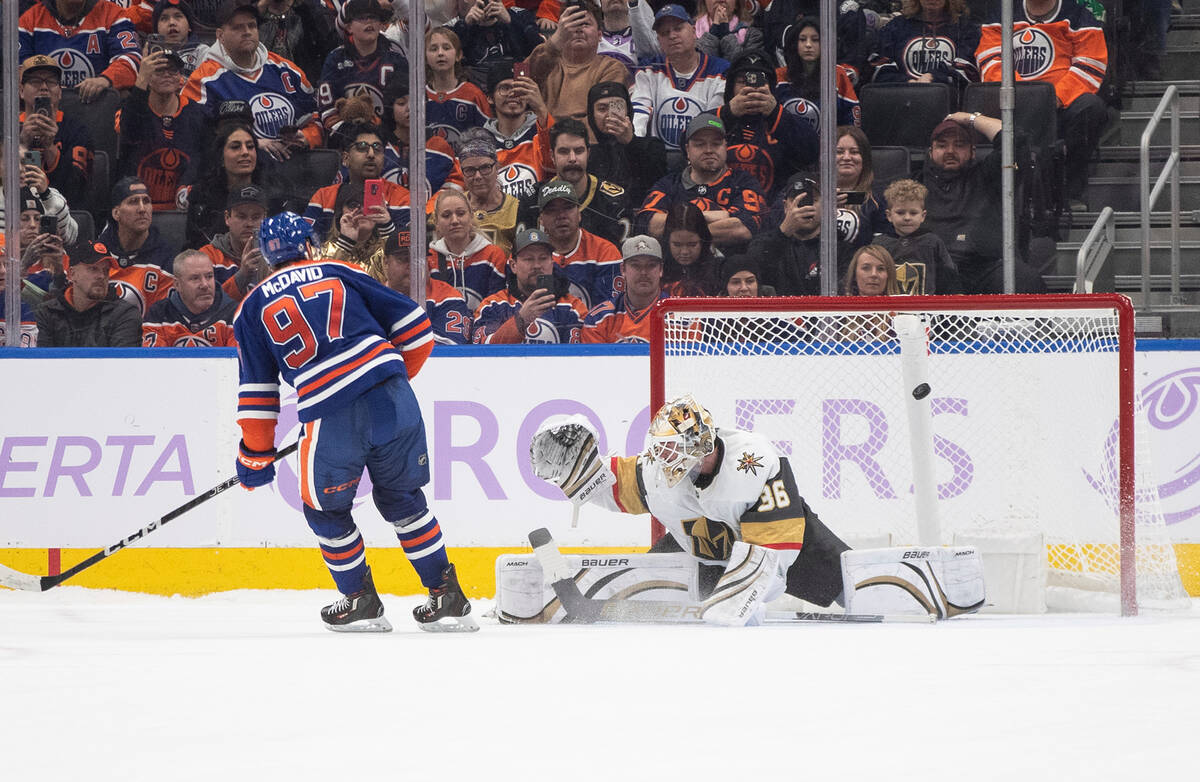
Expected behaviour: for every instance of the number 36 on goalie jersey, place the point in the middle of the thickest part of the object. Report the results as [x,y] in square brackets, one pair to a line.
[777,520]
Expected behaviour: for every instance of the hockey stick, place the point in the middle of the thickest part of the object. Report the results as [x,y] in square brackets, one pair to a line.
[16,580]
[582,609]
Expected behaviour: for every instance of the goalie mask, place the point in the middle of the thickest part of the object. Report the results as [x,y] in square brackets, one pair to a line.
[681,434]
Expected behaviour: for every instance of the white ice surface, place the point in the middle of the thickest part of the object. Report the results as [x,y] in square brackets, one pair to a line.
[249,686]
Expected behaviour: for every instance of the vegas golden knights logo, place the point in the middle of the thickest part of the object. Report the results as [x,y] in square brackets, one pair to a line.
[910,278]
[710,539]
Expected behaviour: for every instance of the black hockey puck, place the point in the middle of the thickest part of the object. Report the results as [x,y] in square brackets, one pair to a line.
[921,391]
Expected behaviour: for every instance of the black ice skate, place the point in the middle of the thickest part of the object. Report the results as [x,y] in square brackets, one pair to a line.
[360,612]
[447,609]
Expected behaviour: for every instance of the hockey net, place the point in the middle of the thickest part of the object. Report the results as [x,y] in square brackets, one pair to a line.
[1029,422]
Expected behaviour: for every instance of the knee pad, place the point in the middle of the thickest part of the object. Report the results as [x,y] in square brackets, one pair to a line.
[397,506]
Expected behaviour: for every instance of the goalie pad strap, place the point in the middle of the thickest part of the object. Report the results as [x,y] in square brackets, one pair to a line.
[751,579]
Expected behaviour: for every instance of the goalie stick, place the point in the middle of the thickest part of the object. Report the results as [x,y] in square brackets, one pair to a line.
[586,610]
[17,580]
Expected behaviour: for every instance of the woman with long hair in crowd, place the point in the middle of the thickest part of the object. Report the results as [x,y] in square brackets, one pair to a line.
[233,162]
[872,272]
[860,212]
[690,266]
[798,83]
[452,103]
[461,256]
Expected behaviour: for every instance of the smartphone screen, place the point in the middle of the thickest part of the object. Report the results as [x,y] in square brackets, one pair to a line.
[545,282]
[372,193]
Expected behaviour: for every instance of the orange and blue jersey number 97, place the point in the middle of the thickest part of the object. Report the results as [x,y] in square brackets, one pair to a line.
[285,322]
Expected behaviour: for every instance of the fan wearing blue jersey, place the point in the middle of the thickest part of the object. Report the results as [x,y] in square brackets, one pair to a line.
[349,346]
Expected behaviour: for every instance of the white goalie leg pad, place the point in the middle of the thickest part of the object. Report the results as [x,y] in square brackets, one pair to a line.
[752,578]
[945,581]
[525,596]
[565,451]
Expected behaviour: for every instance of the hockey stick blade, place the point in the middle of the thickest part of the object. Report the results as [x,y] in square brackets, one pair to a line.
[14,579]
[581,609]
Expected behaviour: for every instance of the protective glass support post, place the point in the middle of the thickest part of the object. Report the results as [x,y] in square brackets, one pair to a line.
[417,188]
[828,158]
[1007,178]
[12,181]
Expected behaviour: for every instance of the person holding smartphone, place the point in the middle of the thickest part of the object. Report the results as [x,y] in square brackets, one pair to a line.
[41,248]
[65,145]
[568,63]
[385,203]
[790,252]
[535,305]
[619,155]
[765,141]
[35,188]
[492,33]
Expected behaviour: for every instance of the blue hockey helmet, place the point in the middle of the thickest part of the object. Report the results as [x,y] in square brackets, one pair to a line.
[284,237]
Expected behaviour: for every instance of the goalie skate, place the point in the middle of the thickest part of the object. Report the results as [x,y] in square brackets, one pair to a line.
[359,612]
[447,609]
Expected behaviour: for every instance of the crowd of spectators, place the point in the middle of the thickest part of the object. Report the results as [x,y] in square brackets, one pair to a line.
[582,161]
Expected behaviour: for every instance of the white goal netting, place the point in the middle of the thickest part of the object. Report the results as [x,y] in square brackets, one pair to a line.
[1019,429]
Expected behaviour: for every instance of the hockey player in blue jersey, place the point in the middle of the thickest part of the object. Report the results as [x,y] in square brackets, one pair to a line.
[349,346]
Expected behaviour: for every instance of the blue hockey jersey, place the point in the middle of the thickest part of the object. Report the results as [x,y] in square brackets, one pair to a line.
[331,331]
[346,75]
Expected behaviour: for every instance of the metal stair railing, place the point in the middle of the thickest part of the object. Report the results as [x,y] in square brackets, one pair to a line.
[1094,250]
[1169,102]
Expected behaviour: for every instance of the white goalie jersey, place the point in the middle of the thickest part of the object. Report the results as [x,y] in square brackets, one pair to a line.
[752,496]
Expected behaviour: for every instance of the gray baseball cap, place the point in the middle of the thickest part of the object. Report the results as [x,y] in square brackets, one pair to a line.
[705,121]
[641,246]
[528,237]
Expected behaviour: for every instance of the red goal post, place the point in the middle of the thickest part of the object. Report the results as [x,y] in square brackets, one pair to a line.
[1027,421]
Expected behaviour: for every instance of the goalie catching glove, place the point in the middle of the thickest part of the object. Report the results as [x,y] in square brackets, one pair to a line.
[255,468]
[565,452]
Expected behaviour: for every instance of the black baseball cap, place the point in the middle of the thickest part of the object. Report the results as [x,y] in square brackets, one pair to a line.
[87,252]
[250,194]
[398,242]
[364,9]
[230,8]
[126,187]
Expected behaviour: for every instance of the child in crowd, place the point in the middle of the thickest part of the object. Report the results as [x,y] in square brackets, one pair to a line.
[923,265]
[452,104]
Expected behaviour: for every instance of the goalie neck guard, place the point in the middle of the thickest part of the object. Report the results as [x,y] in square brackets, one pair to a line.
[681,434]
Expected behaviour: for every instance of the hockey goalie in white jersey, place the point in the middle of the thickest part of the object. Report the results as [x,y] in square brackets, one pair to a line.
[729,498]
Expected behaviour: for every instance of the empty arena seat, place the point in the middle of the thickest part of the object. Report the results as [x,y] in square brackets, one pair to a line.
[890,163]
[903,115]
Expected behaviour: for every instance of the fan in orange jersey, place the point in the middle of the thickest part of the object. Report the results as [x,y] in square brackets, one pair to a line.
[1058,41]
[197,313]
[627,317]
[140,254]
[520,131]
